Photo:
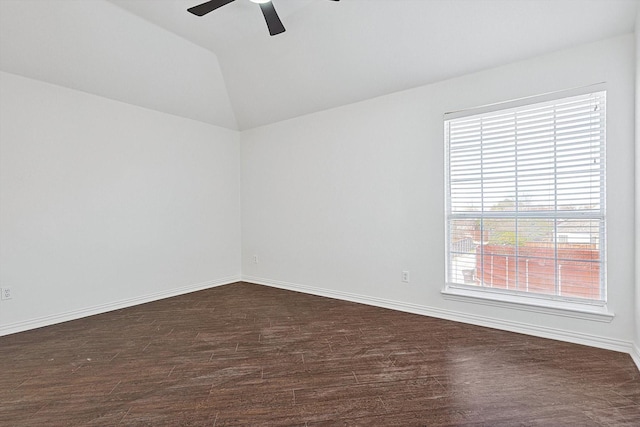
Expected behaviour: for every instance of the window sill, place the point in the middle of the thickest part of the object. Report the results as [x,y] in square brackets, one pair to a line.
[597,313]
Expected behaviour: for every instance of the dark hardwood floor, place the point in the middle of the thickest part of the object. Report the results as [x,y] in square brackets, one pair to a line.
[246,354]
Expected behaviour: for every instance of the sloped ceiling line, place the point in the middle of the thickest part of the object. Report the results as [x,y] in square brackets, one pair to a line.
[332,54]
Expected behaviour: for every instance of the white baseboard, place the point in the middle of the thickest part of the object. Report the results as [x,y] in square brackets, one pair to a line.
[635,354]
[13,328]
[473,319]
[518,327]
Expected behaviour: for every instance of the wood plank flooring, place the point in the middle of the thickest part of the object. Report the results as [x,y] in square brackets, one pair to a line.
[245,354]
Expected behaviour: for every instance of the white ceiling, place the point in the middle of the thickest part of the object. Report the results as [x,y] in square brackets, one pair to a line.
[333,53]
[96,47]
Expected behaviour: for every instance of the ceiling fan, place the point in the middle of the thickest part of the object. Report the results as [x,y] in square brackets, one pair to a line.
[270,15]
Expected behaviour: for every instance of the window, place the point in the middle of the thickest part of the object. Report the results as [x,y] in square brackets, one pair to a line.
[526,200]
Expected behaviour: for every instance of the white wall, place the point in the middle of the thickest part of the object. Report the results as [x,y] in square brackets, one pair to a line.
[105,204]
[340,202]
[637,183]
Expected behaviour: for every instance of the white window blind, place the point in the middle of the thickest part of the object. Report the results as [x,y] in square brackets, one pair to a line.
[526,200]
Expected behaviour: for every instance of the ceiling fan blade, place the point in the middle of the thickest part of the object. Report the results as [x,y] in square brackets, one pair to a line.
[273,20]
[210,6]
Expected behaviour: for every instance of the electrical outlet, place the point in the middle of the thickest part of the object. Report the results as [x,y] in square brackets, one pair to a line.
[255,259]
[6,293]
[405,276]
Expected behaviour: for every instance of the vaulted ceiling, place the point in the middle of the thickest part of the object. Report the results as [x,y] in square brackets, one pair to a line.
[231,73]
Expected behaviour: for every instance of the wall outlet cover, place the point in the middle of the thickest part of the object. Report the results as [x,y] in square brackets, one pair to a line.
[405,276]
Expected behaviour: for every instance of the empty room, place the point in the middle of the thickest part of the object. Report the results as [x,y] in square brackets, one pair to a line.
[319,212]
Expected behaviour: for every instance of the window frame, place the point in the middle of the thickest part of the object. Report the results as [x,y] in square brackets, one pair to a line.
[596,309]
